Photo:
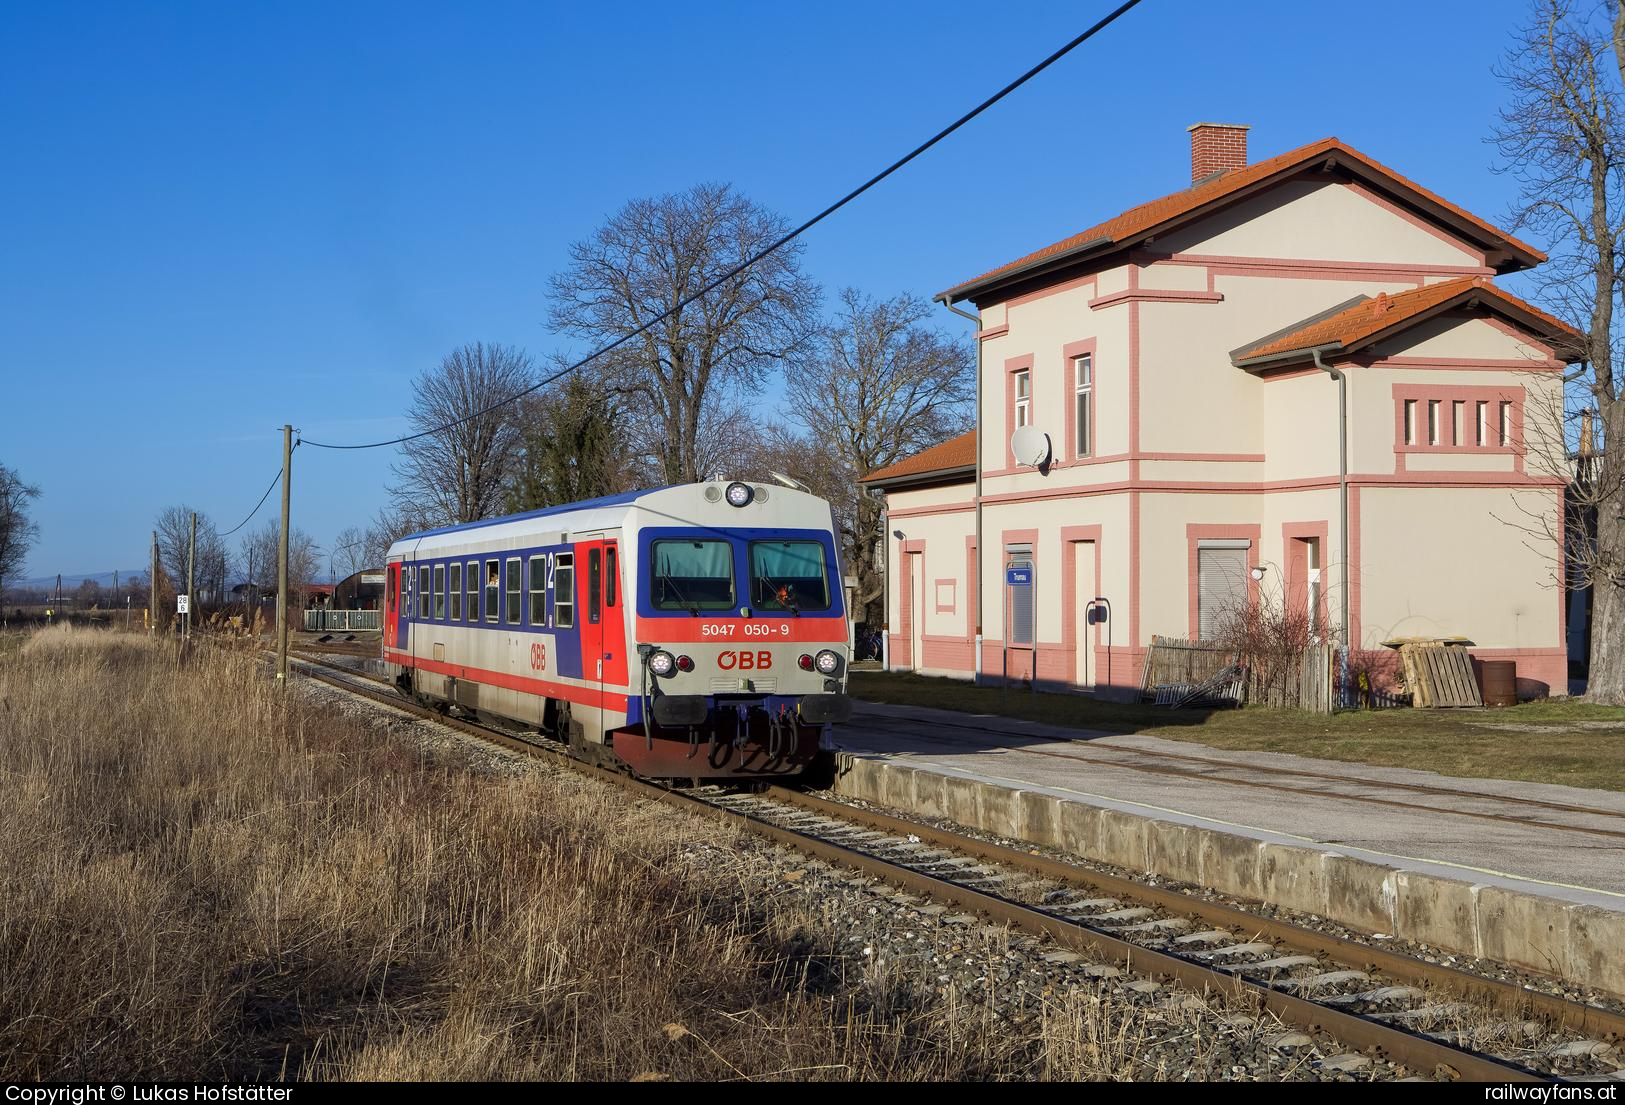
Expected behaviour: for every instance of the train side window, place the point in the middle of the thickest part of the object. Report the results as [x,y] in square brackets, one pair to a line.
[423,591]
[472,580]
[515,603]
[493,588]
[564,590]
[595,568]
[611,574]
[454,591]
[439,591]
[538,590]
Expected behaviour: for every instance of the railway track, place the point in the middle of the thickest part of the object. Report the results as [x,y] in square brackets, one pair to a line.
[1211,769]
[1430,1018]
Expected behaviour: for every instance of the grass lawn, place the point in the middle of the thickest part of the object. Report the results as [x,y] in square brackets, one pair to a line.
[1555,741]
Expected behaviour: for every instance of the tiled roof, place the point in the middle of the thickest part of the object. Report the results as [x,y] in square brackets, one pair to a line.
[956,452]
[1351,325]
[1139,221]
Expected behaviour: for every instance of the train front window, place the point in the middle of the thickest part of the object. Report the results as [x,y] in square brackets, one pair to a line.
[692,575]
[788,575]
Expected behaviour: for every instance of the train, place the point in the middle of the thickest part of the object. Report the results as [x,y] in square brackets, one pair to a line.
[692,632]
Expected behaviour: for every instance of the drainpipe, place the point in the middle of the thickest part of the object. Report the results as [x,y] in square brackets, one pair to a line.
[976,337]
[1343,505]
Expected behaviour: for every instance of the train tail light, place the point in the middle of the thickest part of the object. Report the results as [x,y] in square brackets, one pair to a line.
[805,661]
[685,663]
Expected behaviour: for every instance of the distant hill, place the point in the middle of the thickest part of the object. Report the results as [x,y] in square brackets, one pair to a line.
[39,583]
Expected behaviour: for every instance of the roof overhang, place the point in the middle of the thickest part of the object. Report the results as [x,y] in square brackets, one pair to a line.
[958,474]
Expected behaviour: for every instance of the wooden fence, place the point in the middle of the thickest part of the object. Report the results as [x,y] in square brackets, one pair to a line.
[1306,681]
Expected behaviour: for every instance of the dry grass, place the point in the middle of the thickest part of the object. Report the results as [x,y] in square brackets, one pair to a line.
[1554,741]
[199,879]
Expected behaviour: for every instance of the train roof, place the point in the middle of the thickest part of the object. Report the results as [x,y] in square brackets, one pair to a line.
[626,498]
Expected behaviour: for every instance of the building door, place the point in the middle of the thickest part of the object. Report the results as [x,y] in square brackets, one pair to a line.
[1083,635]
[916,601]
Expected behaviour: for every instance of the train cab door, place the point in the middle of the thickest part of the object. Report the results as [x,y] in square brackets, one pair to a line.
[397,608]
[603,631]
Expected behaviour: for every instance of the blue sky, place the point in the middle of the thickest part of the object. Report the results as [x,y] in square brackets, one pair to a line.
[219,218]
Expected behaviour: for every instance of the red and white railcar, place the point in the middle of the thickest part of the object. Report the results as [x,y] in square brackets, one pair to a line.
[694,631]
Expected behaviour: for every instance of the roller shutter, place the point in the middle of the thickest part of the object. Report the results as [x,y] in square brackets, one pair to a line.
[1221,586]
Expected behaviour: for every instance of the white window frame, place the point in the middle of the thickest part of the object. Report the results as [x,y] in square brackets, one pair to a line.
[1083,404]
[1023,385]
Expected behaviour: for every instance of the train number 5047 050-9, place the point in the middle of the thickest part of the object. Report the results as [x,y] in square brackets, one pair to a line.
[745,629]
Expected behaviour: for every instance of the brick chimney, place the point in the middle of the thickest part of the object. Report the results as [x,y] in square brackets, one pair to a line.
[1217,148]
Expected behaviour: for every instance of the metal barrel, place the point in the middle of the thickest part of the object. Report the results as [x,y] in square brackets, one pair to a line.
[1500,681]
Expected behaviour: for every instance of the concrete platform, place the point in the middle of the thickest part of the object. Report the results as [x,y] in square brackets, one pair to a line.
[1527,873]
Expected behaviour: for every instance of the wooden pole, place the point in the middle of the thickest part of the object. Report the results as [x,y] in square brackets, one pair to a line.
[191,578]
[282,561]
[152,588]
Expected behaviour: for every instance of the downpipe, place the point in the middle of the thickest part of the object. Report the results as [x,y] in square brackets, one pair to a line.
[1343,520]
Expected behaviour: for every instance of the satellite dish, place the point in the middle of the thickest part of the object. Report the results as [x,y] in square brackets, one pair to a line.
[1030,445]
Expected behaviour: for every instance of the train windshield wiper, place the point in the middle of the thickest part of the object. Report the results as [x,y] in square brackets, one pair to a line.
[693,607]
[781,594]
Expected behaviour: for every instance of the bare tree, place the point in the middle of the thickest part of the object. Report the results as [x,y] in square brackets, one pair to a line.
[879,386]
[457,474]
[388,526]
[210,565]
[260,547]
[644,261]
[18,530]
[350,551]
[1563,139]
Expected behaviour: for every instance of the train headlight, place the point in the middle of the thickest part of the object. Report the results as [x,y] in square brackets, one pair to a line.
[740,494]
[828,662]
[662,662]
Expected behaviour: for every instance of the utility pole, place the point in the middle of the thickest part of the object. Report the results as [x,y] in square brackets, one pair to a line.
[282,562]
[191,578]
[152,588]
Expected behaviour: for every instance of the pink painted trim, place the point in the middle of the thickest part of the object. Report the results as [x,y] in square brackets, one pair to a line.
[1466,364]
[1314,483]
[1134,569]
[1154,295]
[1300,267]
[916,545]
[1120,458]
[1069,352]
[1353,553]
[1195,534]
[1013,365]
[993,332]
[1064,286]
[953,595]
[920,511]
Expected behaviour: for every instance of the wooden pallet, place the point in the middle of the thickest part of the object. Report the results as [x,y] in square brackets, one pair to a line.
[1439,676]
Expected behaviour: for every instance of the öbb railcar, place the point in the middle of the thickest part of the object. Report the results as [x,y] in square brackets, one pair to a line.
[689,632]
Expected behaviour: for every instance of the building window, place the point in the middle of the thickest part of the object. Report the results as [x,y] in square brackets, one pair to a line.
[493,588]
[1018,563]
[1506,425]
[1433,422]
[1024,398]
[1083,387]
[1312,560]
[515,604]
[538,590]
[1410,422]
[1483,424]
[564,590]
[439,591]
[472,581]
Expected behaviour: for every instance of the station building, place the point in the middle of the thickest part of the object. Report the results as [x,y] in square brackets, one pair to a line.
[1160,434]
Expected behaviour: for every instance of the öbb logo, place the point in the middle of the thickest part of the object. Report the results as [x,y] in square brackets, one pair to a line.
[745,661]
